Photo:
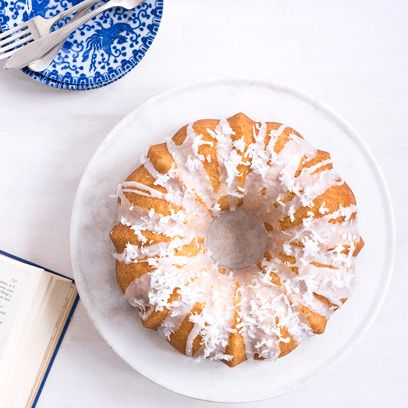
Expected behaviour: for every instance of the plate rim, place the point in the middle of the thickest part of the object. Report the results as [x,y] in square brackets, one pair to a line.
[277,86]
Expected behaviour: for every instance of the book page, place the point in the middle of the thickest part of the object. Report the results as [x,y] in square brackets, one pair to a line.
[71,293]
[34,306]
[13,282]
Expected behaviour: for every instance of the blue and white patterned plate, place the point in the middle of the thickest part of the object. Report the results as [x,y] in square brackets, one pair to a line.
[99,52]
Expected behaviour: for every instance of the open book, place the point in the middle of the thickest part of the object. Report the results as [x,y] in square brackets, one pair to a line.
[35,308]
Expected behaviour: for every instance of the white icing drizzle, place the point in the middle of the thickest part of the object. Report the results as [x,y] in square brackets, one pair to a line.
[322,256]
[190,339]
[190,168]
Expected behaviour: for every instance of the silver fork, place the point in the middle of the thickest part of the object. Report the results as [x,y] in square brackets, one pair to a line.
[34,29]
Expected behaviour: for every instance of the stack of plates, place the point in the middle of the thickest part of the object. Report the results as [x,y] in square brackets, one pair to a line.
[99,52]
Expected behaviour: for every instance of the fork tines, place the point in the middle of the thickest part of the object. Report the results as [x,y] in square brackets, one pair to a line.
[14,38]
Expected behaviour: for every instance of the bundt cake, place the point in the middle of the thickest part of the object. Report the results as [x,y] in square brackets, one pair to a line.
[212,311]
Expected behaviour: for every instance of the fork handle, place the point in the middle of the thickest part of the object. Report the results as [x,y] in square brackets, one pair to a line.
[36,49]
[71,10]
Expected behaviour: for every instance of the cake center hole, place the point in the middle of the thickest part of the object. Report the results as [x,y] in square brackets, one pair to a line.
[236,239]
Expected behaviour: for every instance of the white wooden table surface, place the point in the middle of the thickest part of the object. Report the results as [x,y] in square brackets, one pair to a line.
[353,55]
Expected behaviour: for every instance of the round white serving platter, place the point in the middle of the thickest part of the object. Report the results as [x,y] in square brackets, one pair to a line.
[94,215]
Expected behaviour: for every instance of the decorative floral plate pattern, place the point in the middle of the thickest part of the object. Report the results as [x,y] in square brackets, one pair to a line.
[100,51]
